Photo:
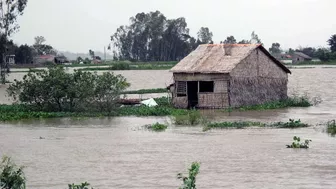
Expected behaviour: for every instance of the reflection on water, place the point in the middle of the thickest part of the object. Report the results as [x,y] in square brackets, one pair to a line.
[119,153]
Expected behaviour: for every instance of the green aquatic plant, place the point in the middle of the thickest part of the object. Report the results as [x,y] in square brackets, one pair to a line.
[294,101]
[331,127]
[235,124]
[146,91]
[11,176]
[190,181]
[296,143]
[193,117]
[157,127]
[84,185]
[291,124]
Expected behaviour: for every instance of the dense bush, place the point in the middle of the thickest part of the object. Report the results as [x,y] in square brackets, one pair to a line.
[56,90]
[120,66]
[11,176]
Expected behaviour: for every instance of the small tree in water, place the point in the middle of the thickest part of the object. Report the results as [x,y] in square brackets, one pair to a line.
[56,90]
[11,176]
[190,181]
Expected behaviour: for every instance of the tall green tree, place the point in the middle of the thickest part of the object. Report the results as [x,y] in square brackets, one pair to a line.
[205,35]
[291,51]
[152,37]
[332,43]
[24,54]
[275,49]
[255,39]
[230,40]
[92,54]
[40,48]
[9,12]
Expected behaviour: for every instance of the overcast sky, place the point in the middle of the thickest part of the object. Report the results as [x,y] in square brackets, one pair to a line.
[80,25]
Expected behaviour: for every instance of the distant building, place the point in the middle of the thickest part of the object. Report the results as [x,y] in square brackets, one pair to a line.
[43,59]
[61,59]
[300,57]
[284,58]
[10,59]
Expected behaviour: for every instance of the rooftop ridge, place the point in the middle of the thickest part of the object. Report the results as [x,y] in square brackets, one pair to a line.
[234,45]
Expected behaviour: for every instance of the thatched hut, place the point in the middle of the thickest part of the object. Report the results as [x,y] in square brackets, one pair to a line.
[228,75]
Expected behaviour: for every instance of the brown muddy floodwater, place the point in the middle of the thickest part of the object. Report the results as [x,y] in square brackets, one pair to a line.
[119,153]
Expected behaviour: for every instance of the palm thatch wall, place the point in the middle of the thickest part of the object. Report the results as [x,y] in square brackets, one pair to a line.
[257,80]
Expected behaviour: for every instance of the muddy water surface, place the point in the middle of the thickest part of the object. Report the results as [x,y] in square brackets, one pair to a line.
[119,153]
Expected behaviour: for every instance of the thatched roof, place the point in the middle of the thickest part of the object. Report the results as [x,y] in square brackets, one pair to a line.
[303,55]
[223,58]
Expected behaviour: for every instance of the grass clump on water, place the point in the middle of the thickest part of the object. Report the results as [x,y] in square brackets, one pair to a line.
[331,127]
[296,101]
[235,124]
[290,124]
[193,117]
[146,91]
[157,127]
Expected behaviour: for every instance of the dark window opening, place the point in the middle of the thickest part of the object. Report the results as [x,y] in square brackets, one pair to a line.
[206,86]
[180,95]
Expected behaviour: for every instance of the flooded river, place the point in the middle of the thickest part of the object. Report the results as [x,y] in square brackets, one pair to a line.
[119,153]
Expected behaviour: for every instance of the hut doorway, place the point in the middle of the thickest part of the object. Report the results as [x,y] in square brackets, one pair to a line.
[192,93]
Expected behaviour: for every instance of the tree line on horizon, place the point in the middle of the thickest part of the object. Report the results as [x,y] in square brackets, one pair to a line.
[150,37]
[153,37]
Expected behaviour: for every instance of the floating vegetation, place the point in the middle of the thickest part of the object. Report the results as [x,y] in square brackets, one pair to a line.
[193,117]
[235,124]
[296,143]
[146,91]
[296,101]
[291,124]
[331,127]
[84,185]
[243,124]
[157,127]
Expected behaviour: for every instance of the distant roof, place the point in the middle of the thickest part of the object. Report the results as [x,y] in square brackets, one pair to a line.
[303,55]
[210,58]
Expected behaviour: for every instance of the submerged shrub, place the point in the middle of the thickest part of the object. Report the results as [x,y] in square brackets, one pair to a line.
[190,181]
[11,176]
[296,143]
